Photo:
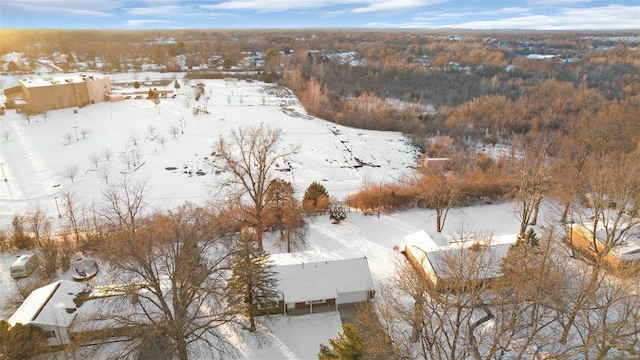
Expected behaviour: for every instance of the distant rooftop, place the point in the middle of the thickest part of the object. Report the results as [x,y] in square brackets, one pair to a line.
[54,79]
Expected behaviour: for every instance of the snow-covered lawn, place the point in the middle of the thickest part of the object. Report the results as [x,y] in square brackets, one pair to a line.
[36,154]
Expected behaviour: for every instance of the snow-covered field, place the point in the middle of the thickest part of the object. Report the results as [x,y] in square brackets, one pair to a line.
[37,152]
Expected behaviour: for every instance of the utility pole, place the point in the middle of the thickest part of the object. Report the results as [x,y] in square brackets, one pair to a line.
[3,174]
[57,207]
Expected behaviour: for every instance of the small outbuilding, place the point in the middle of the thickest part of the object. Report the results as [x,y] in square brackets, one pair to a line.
[312,281]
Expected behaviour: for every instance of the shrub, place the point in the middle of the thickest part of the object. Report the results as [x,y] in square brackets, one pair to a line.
[337,212]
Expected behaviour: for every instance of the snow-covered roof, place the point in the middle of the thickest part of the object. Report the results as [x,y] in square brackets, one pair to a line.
[21,261]
[53,79]
[319,275]
[425,241]
[441,252]
[471,264]
[628,247]
[49,305]
[539,56]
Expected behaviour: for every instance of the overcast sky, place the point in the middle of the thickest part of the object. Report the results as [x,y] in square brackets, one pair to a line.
[249,14]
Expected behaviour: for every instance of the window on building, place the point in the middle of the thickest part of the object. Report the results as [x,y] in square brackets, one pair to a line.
[314,302]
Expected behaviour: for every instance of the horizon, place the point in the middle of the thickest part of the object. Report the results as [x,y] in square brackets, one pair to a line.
[543,15]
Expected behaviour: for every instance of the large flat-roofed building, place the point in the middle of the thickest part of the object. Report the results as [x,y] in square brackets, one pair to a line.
[61,91]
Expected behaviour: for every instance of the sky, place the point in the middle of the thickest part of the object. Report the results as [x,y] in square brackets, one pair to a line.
[256,14]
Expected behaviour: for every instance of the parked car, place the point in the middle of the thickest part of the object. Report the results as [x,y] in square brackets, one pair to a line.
[24,266]
[83,267]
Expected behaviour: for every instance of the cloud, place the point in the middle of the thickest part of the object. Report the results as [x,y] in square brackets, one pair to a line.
[607,17]
[355,6]
[273,5]
[462,13]
[162,10]
[138,23]
[556,3]
[385,5]
[95,8]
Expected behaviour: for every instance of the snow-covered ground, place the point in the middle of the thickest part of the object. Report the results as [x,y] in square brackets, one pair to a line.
[36,154]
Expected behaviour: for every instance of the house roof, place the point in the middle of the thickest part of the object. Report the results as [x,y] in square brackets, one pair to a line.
[468,264]
[446,255]
[49,305]
[319,275]
[629,246]
[55,79]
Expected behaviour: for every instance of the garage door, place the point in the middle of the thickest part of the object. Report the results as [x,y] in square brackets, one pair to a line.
[352,297]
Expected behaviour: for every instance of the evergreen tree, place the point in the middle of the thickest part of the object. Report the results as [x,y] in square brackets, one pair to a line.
[337,212]
[252,286]
[316,198]
[347,346]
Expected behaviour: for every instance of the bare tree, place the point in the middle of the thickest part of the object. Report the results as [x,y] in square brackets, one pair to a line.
[436,191]
[6,134]
[136,155]
[151,130]
[161,139]
[124,204]
[249,156]
[106,174]
[68,136]
[533,177]
[95,159]
[72,214]
[134,138]
[84,132]
[174,130]
[127,158]
[179,270]
[39,224]
[107,153]
[71,171]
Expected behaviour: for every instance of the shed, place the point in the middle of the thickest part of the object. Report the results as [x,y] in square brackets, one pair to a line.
[52,309]
[325,280]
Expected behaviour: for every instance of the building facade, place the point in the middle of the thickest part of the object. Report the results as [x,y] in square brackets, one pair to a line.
[61,91]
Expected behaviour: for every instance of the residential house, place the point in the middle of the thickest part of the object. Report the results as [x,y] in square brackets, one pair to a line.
[625,252]
[456,264]
[312,281]
[51,308]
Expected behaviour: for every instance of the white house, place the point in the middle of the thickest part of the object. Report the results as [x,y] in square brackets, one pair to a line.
[317,280]
[52,309]
[452,264]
